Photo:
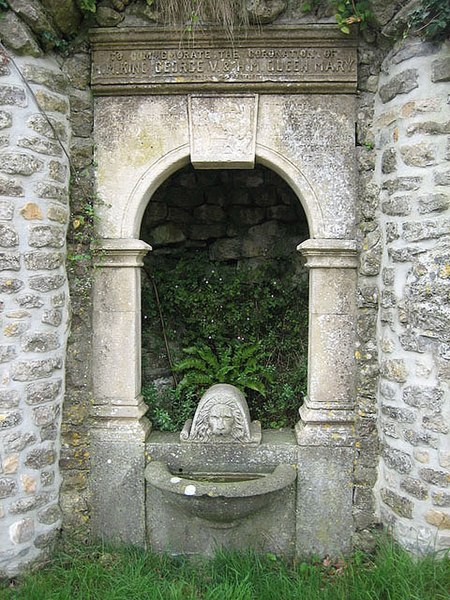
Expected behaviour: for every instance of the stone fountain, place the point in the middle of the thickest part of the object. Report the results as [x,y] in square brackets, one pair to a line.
[218,485]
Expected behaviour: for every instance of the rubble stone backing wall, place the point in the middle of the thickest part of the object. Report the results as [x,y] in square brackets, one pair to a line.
[34,212]
[412,175]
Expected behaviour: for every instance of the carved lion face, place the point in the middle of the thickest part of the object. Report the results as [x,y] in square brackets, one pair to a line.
[221,420]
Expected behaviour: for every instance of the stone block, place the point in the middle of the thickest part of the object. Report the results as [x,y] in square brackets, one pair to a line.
[425,397]
[422,154]
[47,235]
[414,49]
[29,483]
[433,203]
[31,212]
[21,531]
[10,419]
[420,438]
[402,506]
[324,501]
[40,457]
[24,505]
[43,391]
[52,317]
[440,478]
[30,301]
[49,102]
[166,234]
[118,488]
[398,206]
[40,145]
[77,69]
[331,353]
[436,424]
[438,518]
[428,128]
[226,249]
[6,210]
[17,36]
[403,83]
[47,539]
[389,161]
[401,184]
[401,415]
[440,70]
[8,236]
[35,369]
[39,342]
[9,261]
[57,171]
[397,460]
[13,95]
[57,213]
[8,487]
[45,189]
[46,415]
[9,398]
[49,515]
[334,291]
[46,283]
[17,441]
[414,487]
[47,478]
[37,261]
[117,380]
[441,178]
[394,369]
[10,187]
[15,163]
[51,78]
[10,286]
[5,119]
[440,498]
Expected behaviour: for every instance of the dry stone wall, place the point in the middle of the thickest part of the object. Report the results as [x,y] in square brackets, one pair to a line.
[34,212]
[412,181]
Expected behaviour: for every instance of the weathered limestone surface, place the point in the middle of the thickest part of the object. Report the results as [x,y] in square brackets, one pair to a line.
[411,172]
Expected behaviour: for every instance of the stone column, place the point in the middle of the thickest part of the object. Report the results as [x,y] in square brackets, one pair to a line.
[325,431]
[119,427]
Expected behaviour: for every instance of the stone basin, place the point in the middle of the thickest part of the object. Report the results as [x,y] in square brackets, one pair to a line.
[219,498]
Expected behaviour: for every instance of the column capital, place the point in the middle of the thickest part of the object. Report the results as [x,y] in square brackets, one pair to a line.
[119,252]
[329,253]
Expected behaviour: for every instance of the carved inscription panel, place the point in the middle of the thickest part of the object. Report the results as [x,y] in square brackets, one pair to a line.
[254,63]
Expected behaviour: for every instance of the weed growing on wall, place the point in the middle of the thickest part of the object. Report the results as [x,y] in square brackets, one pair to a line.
[250,323]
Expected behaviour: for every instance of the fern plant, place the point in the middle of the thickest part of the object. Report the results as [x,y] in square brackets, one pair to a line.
[241,364]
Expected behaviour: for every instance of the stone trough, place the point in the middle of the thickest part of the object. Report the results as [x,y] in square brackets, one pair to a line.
[219,485]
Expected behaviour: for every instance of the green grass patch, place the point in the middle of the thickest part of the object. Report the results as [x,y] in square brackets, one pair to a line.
[97,573]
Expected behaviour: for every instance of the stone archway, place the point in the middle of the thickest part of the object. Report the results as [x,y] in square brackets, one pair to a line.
[308,140]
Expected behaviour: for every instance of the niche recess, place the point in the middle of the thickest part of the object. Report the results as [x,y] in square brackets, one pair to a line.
[244,226]
[297,120]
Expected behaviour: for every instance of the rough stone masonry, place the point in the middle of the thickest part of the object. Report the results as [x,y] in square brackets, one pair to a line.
[34,212]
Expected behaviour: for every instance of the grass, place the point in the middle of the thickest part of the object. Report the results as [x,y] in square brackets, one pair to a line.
[97,573]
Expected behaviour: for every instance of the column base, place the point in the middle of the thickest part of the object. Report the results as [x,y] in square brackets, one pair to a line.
[324,501]
[117,481]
